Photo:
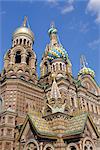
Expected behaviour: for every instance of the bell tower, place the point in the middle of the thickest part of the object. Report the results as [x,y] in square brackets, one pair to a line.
[20,60]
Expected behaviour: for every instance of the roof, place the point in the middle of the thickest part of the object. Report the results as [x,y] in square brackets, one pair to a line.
[41,125]
[77,124]
[74,126]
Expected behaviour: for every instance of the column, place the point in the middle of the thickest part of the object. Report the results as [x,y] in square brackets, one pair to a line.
[12,60]
[23,58]
[32,62]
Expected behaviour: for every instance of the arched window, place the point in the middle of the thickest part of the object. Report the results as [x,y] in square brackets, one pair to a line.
[20,41]
[28,43]
[24,41]
[60,66]
[72,101]
[18,57]
[87,106]
[17,41]
[0,103]
[54,68]
[31,145]
[72,148]
[28,58]
[46,66]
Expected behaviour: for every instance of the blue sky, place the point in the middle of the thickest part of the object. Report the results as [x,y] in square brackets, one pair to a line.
[77,21]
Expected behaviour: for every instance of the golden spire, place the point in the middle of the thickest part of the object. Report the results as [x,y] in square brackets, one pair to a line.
[24,22]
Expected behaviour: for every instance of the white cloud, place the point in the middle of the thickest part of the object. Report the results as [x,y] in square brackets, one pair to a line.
[95,44]
[67,9]
[94,7]
[64,6]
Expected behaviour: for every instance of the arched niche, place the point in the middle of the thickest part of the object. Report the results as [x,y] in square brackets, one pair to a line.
[1,104]
[48,147]
[18,57]
[88,144]
[72,146]
[32,144]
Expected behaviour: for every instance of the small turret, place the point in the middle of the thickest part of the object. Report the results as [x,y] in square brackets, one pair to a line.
[84,69]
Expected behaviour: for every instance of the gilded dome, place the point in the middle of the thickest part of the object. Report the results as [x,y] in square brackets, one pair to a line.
[23,31]
[86,71]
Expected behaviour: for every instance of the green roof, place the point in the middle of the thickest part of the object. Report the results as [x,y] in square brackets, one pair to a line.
[76,124]
[41,125]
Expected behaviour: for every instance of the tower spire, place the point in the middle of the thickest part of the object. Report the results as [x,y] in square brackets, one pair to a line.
[83,62]
[24,22]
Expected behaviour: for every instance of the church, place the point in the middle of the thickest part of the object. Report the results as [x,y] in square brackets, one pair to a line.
[55,111]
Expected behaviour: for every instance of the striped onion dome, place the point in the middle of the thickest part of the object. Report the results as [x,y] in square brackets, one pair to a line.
[86,71]
[57,52]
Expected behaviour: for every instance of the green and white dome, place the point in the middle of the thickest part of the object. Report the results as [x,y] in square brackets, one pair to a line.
[86,71]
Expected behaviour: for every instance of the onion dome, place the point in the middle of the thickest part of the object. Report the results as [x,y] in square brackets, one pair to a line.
[24,31]
[87,71]
[57,52]
[52,30]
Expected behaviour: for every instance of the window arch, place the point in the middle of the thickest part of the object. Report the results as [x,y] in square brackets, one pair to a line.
[88,144]
[1,103]
[53,67]
[48,147]
[60,66]
[24,41]
[31,144]
[72,146]
[18,57]
[46,67]
[20,41]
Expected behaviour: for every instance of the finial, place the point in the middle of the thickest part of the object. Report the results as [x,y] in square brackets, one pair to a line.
[52,25]
[83,62]
[24,22]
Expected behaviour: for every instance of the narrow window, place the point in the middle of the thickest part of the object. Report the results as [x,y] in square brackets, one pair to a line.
[46,66]
[18,57]
[92,108]
[72,101]
[87,106]
[54,68]
[60,66]
[24,41]
[20,41]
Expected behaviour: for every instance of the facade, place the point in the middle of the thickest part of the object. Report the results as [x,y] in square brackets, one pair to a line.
[53,112]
